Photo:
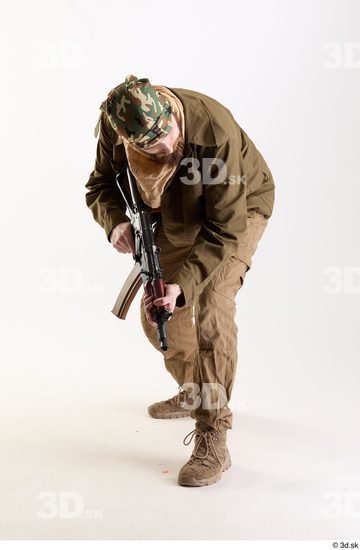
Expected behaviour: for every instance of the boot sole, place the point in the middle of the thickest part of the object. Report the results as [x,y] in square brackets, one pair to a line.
[192,482]
[169,416]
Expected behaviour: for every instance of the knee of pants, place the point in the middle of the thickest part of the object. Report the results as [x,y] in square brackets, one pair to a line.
[181,331]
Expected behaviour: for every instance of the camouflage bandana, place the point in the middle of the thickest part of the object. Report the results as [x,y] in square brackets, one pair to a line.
[137,112]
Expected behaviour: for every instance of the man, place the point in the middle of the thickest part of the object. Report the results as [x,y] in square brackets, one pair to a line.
[213,195]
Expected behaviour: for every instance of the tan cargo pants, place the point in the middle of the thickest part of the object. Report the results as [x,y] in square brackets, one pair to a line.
[202,338]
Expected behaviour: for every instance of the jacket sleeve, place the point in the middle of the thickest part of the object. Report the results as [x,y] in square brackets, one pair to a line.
[225,220]
[103,196]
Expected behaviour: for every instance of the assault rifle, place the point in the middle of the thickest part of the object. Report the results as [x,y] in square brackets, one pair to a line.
[147,270]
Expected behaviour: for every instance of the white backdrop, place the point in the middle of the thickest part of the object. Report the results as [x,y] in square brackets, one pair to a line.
[76,381]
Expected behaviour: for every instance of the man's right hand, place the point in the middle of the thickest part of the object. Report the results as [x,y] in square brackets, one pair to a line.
[121,237]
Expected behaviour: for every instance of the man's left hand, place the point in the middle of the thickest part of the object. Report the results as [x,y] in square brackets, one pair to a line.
[172,291]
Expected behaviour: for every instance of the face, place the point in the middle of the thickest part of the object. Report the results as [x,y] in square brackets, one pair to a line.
[170,148]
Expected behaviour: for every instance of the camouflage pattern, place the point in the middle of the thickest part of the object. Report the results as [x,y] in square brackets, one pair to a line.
[137,112]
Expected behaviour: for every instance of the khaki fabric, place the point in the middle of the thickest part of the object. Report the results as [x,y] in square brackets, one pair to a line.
[203,336]
[208,221]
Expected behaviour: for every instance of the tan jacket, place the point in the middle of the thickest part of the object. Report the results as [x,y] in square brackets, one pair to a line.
[210,216]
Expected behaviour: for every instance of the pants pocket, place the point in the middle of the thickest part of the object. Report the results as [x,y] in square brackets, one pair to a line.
[248,243]
[231,278]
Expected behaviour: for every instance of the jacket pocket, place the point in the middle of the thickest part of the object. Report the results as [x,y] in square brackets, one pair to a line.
[192,208]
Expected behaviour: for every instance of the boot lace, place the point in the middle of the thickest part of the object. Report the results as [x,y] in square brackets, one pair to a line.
[206,440]
[179,398]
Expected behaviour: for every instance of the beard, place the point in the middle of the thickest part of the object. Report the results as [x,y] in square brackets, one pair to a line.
[174,157]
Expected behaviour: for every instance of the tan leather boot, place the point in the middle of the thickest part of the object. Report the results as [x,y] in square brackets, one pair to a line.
[209,458]
[173,407]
